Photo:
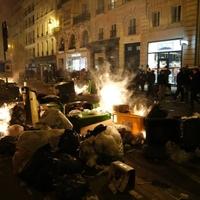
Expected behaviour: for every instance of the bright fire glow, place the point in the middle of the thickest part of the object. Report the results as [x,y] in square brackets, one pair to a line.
[140,110]
[10,80]
[112,93]
[5,117]
[144,134]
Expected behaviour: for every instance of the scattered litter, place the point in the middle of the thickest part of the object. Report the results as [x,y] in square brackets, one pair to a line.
[184,196]
[177,154]
[92,197]
[194,116]
[181,196]
[135,194]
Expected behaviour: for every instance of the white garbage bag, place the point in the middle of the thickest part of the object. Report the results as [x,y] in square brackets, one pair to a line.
[15,130]
[108,143]
[55,119]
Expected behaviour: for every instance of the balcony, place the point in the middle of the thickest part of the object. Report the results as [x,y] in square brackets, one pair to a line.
[81,18]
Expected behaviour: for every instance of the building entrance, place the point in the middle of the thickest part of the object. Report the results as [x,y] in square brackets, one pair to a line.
[165,54]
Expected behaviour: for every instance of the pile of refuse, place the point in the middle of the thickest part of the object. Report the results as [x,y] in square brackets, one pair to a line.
[53,156]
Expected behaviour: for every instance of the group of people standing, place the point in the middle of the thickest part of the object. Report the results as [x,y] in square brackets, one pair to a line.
[188,83]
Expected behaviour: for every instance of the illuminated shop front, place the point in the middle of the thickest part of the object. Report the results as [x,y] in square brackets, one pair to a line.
[166,54]
[77,62]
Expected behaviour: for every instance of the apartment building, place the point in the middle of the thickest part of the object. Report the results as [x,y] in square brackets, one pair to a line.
[73,35]
[131,33]
[44,51]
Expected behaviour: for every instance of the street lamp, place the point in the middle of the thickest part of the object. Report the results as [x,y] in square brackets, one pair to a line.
[53,24]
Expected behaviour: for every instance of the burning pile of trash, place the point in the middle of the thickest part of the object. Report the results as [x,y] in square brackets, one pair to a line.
[55,146]
[55,149]
[52,156]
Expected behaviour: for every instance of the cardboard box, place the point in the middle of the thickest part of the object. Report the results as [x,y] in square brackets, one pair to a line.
[121,177]
[134,122]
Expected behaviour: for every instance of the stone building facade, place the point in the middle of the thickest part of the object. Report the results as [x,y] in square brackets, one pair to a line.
[72,35]
[129,34]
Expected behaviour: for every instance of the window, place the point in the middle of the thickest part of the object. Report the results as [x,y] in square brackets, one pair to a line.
[33,53]
[37,32]
[176,14]
[38,50]
[85,39]
[132,27]
[101,34]
[42,30]
[84,8]
[100,6]
[61,45]
[47,28]
[72,44]
[156,19]
[47,50]
[52,46]
[112,4]
[113,31]
[42,49]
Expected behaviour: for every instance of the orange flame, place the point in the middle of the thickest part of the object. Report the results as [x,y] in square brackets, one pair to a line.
[140,110]
[5,117]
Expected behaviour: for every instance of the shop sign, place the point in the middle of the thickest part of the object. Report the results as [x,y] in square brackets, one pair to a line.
[164,46]
[75,55]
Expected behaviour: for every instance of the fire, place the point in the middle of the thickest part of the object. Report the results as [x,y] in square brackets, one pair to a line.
[140,110]
[113,92]
[144,134]
[5,117]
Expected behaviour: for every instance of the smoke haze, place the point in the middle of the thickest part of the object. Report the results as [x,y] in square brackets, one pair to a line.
[5,8]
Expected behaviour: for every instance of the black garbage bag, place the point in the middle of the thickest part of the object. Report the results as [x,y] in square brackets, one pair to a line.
[45,166]
[69,142]
[8,145]
[66,164]
[71,187]
[39,171]
[18,115]
[98,129]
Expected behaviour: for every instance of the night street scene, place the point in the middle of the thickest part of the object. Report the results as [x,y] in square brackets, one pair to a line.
[99,99]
